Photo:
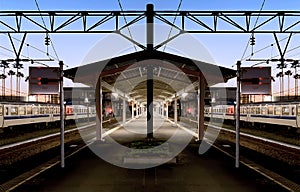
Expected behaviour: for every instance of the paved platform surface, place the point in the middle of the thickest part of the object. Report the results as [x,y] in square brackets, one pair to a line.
[212,171]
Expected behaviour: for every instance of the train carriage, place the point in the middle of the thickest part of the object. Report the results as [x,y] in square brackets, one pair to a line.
[27,113]
[280,113]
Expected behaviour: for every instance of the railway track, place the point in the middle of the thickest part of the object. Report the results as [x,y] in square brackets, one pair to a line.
[277,149]
[276,160]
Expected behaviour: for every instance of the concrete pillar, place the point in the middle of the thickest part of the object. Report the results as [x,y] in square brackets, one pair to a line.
[175,110]
[99,119]
[124,110]
[162,109]
[167,110]
[132,110]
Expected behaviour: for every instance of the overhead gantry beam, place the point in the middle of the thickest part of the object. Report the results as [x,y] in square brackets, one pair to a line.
[191,21]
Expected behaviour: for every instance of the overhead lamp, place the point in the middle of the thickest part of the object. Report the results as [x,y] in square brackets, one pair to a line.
[115,94]
[184,95]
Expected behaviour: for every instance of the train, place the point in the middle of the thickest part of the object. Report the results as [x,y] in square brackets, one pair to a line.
[14,114]
[272,114]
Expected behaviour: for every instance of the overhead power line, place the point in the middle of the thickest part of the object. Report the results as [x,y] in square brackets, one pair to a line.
[33,47]
[174,20]
[121,8]
[44,23]
[256,21]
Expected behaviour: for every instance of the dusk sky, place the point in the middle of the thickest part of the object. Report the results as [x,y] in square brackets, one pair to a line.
[225,49]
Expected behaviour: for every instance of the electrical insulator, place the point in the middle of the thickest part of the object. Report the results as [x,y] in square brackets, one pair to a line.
[252,40]
[47,40]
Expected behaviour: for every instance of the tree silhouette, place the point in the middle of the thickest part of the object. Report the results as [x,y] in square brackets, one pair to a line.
[11,73]
[18,66]
[295,65]
[4,65]
[19,75]
[288,73]
[281,66]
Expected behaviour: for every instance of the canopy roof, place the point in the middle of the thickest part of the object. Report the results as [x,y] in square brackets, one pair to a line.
[127,74]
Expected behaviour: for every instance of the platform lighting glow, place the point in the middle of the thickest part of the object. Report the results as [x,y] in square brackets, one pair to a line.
[184,95]
[115,95]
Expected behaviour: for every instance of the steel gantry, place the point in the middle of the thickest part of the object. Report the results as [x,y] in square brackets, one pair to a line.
[195,22]
[191,21]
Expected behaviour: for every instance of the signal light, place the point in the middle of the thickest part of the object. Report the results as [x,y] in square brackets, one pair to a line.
[257,81]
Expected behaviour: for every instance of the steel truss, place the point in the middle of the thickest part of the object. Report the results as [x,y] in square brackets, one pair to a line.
[190,21]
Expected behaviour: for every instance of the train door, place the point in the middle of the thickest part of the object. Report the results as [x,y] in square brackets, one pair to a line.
[1,116]
[298,116]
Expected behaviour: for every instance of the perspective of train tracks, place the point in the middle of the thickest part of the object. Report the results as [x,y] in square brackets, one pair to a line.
[19,157]
[277,156]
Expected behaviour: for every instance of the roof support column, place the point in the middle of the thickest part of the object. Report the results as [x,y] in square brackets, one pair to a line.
[167,110]
[132,110]
[150,33]
[201,94]
[150,102]
[124,110]
[175,110]
[99,118]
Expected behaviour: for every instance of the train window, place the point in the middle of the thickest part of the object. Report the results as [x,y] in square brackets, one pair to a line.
[35,110]
[264,110]
[277,110]
[29,110]
[257,110]
[293,110]
[42,110]
[285,110]
[6,110]
[22,110]
[13,110]
[298,110]
[270,110]
[1,110]
[252,110]
[47,110]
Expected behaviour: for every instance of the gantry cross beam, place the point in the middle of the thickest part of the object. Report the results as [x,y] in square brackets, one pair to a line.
[189,21]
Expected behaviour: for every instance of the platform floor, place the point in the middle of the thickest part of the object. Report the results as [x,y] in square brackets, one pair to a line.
[212,171]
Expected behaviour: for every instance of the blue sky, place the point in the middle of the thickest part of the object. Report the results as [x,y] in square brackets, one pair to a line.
[225,49]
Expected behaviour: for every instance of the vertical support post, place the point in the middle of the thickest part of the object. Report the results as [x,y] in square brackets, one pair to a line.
[99,118]
[124,110]
[201,95]
[175,110]
[237,115]
[167,110]
[62,114]
[150,33]
[132,110]
[162,109]
[150,102]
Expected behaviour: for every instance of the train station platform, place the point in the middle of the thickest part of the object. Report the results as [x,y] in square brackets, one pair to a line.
[212,171]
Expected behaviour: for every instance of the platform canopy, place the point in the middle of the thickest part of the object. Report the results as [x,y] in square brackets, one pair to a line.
[128,74]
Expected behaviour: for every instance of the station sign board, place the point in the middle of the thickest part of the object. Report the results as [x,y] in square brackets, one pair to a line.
[256,80]
[43,80]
